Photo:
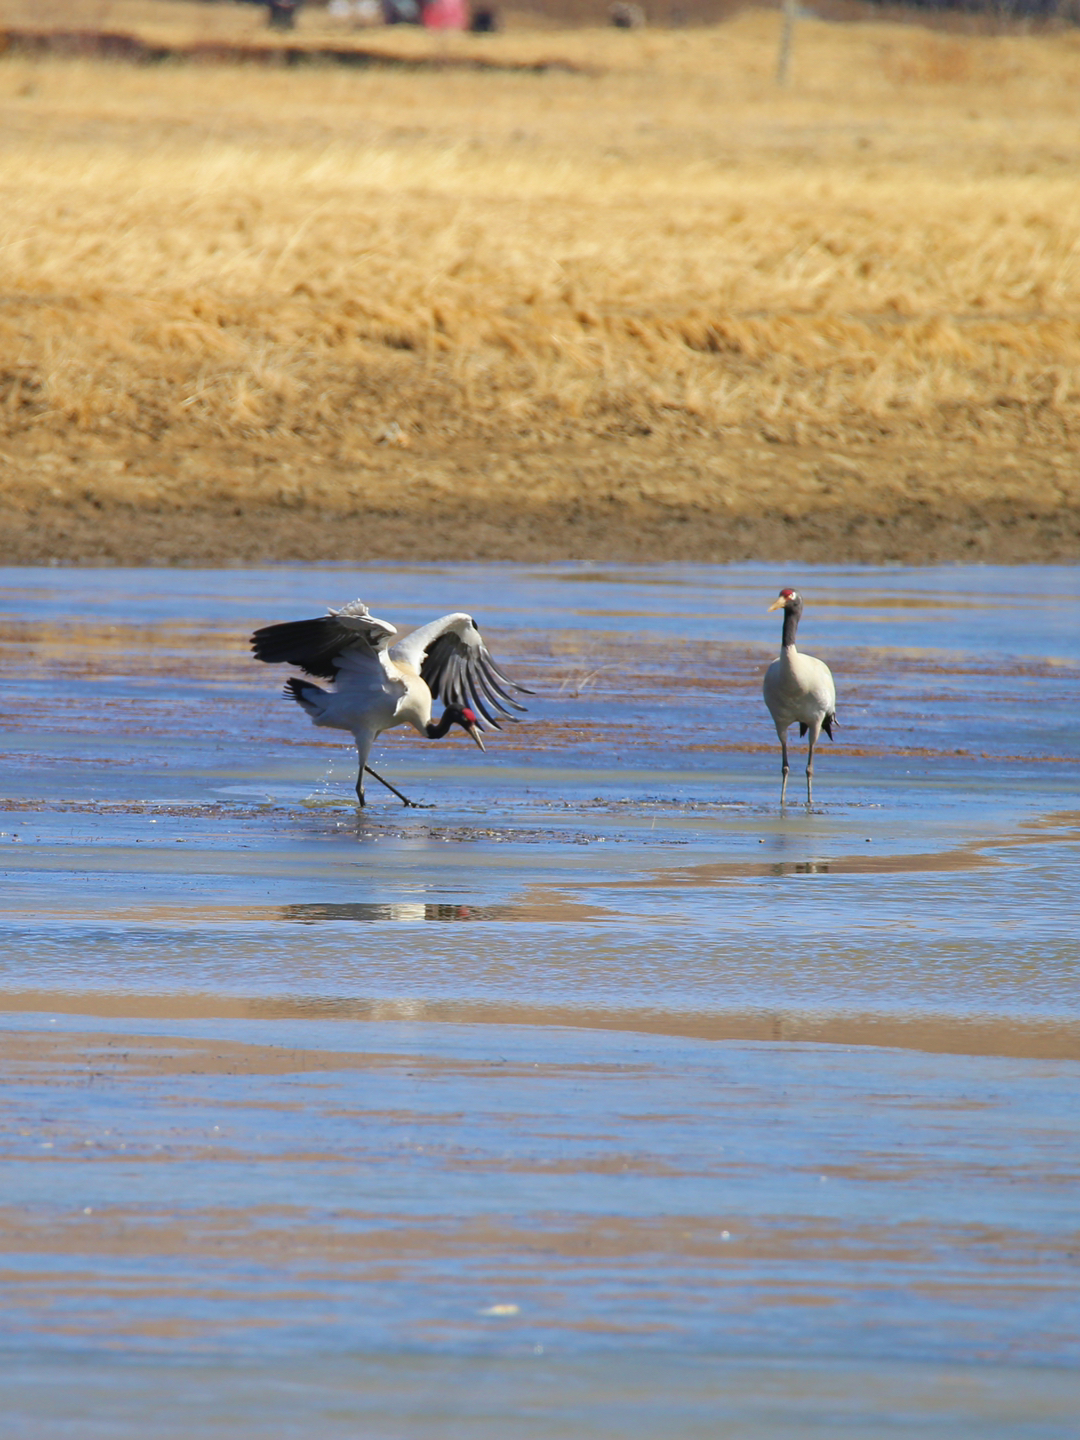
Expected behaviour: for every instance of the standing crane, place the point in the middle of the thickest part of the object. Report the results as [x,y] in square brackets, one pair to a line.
[377,686]
[798,688]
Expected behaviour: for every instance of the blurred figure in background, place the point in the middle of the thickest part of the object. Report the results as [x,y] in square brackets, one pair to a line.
[401,12]
[446,15]
[360,12]
[433,14]
[281,14]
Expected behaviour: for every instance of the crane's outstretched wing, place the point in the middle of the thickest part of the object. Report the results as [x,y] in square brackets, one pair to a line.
[316,645]
[456,665]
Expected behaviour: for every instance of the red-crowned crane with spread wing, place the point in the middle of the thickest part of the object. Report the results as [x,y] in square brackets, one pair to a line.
[378,686]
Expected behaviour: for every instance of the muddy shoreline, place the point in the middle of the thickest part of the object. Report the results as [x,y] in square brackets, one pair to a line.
[620,501]
[124,536]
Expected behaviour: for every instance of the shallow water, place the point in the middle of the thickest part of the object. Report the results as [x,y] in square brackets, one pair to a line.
[601,1099]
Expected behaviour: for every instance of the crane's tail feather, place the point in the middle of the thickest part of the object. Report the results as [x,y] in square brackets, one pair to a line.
[826,725]
[308,696]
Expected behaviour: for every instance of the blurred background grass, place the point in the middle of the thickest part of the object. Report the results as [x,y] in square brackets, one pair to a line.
[282,286]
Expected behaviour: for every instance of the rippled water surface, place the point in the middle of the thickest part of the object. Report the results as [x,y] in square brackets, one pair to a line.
[601,1099]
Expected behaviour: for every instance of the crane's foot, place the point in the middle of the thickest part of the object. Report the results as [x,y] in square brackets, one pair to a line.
[409,804]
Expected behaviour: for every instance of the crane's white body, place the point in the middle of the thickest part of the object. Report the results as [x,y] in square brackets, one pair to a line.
[376,689]
[799,689]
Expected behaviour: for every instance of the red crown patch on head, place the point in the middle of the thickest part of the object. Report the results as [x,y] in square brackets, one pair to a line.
[786,594]
[468,716]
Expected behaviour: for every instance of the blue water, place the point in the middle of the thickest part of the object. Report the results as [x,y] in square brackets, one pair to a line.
[753,1123]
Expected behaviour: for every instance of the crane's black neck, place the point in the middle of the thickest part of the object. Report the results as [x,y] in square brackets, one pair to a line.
[436,729]
[791,623]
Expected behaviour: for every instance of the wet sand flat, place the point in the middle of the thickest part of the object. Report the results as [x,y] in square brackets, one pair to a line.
[602,1098]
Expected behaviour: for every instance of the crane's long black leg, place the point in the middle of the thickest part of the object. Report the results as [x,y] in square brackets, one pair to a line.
[410,804]
[783,783]
[810,772]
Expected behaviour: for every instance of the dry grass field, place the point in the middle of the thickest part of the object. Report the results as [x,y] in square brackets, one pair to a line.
[650,306]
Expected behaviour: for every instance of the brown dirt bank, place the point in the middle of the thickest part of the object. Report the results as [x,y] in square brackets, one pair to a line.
[630,499]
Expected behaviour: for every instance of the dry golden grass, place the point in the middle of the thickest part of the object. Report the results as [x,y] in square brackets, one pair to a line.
[266,285]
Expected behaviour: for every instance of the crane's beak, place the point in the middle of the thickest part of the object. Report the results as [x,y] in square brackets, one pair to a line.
[475,733]
[777,604]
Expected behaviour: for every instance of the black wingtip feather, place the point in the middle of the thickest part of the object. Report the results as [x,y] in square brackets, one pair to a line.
[462,673]
[514,684]
[494,689]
